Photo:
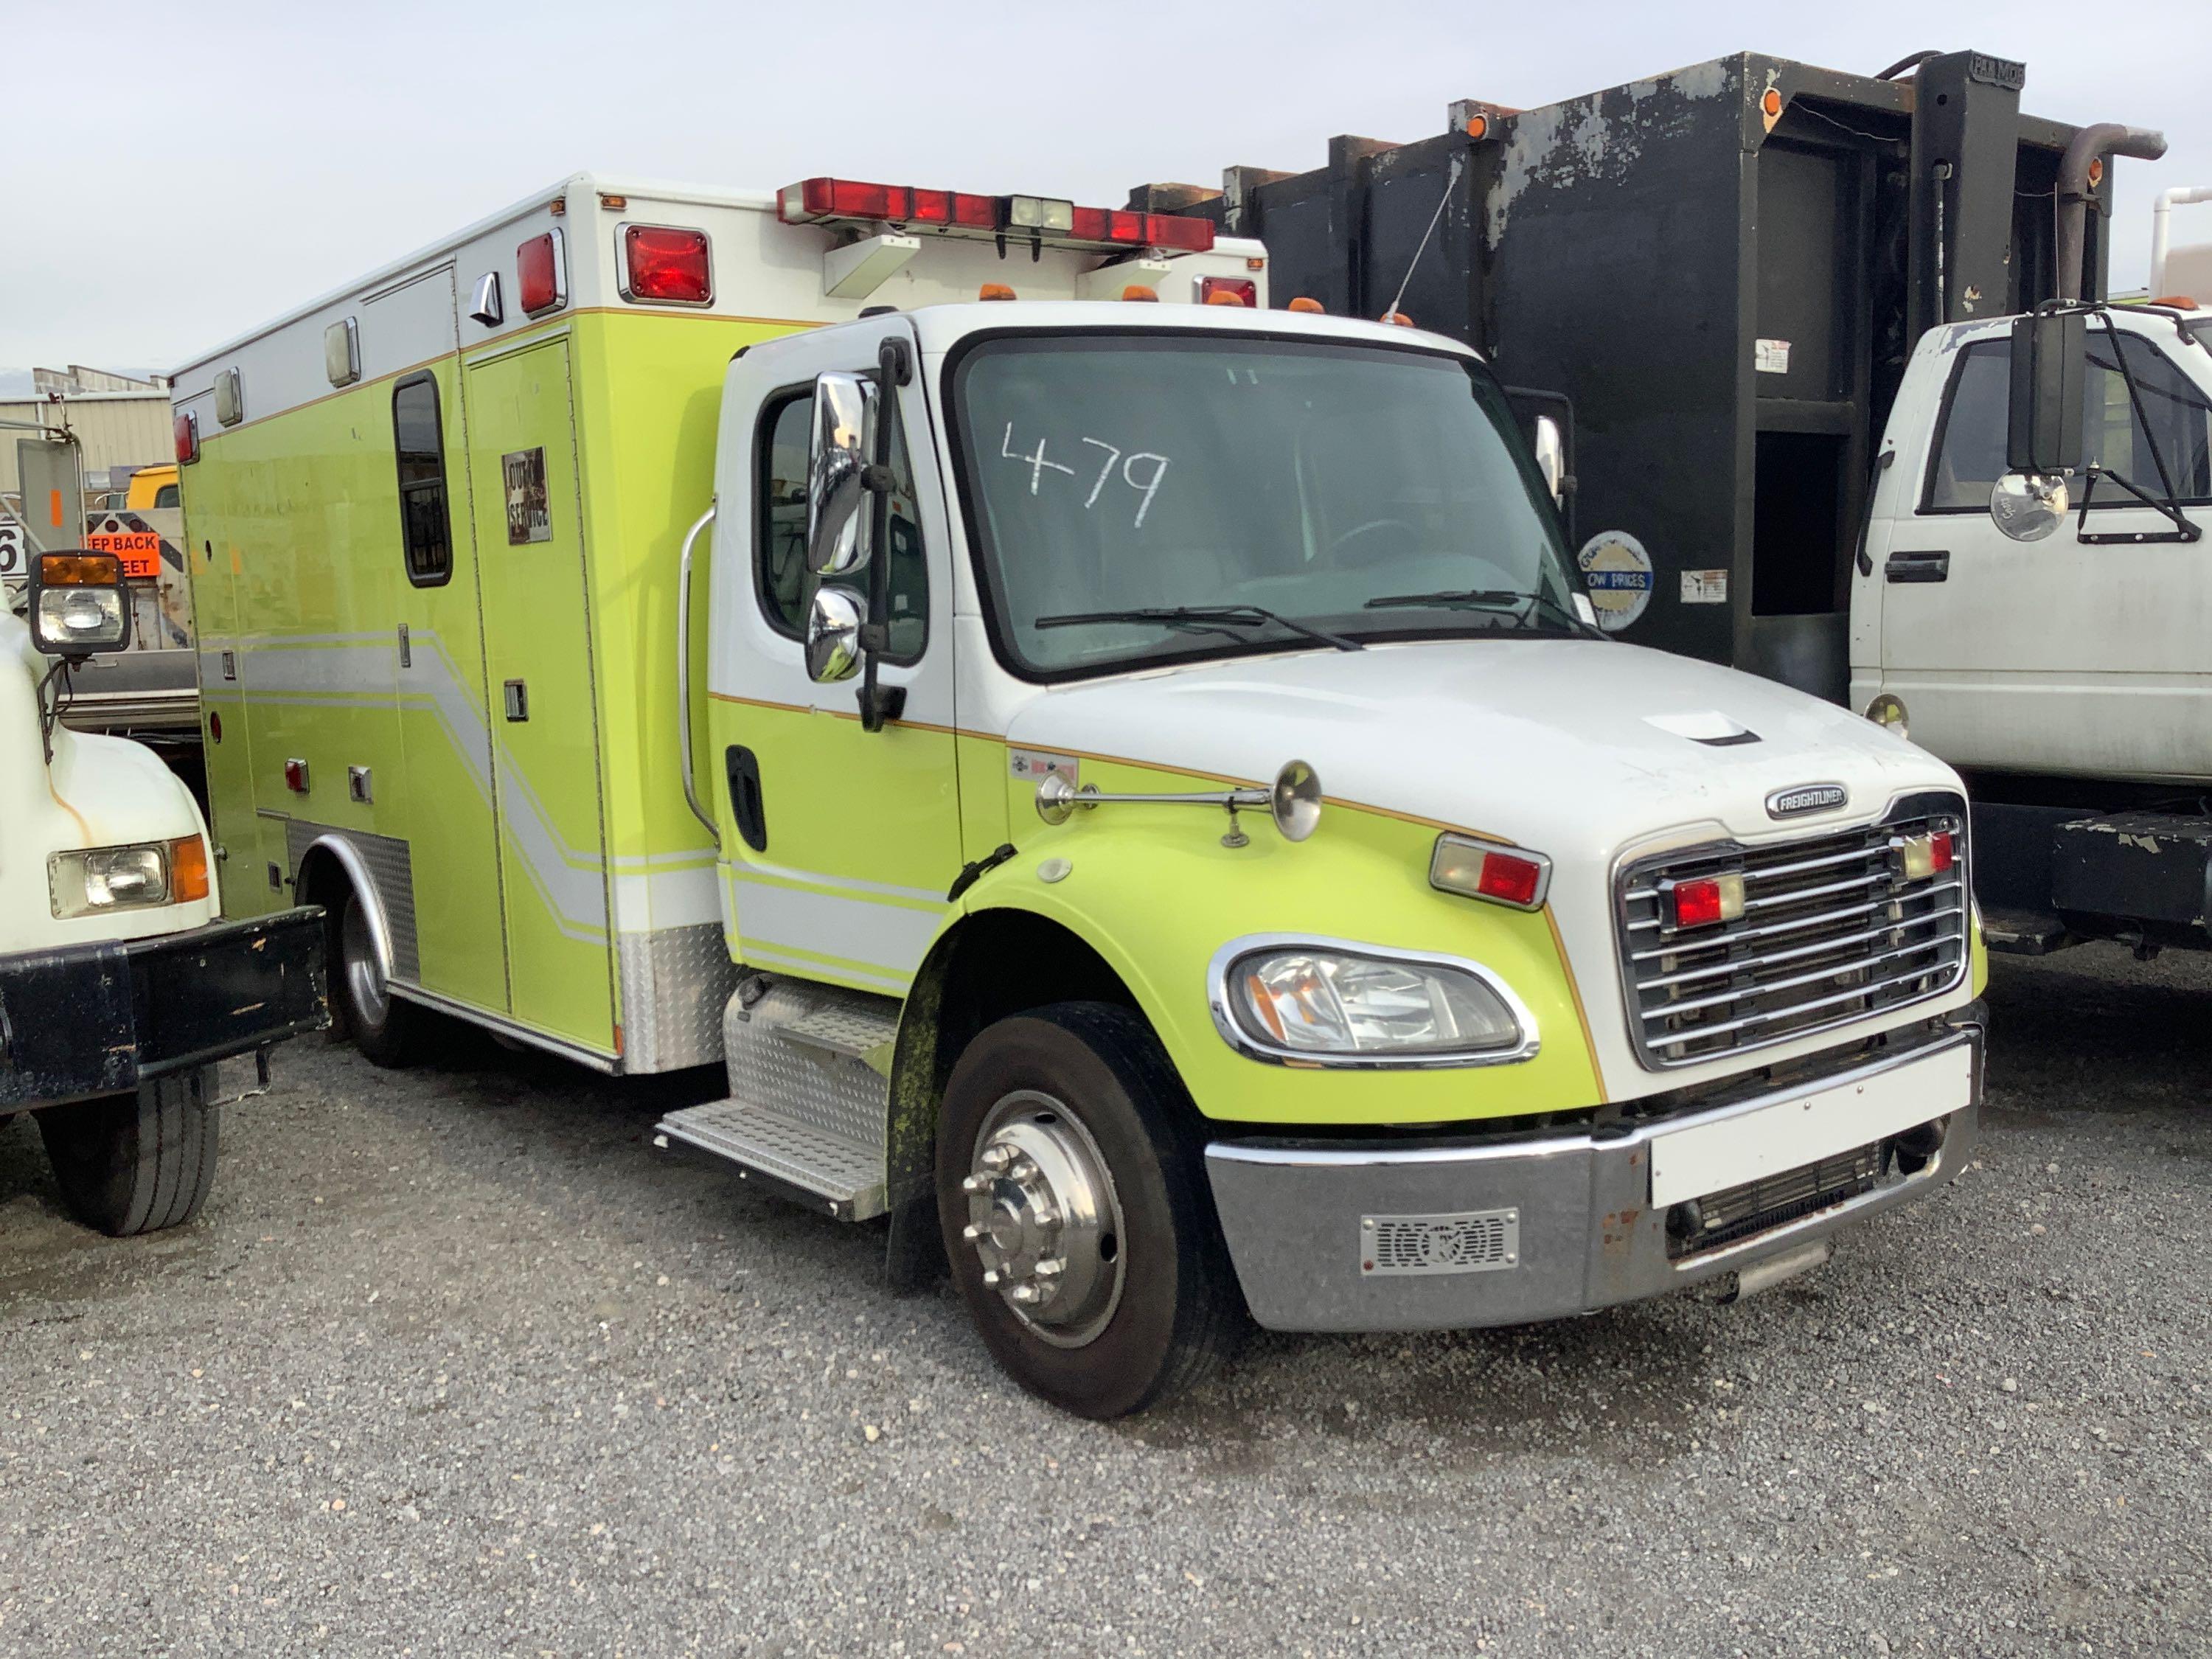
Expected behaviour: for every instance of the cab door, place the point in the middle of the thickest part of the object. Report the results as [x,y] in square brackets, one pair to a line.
[838,844]
[2065,653]
[547,788]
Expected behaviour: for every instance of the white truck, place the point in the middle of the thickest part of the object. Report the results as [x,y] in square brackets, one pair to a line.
[129,1012]
[2031,605]
[1126,781]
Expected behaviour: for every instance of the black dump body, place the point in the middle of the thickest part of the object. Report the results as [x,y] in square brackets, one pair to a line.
[1633,249]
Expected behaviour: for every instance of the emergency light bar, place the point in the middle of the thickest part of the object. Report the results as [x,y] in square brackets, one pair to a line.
[955,213]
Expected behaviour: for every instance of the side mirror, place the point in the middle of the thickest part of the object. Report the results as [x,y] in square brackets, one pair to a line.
[833,637]
[1551,446]
[2043,431]
[78,605]
[2028,506]
[837,518]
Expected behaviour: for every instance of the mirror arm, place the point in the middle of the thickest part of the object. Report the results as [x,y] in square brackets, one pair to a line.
[880,703]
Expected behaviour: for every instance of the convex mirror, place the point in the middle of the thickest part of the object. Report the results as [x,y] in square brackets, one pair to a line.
[2028,506]
[833,637]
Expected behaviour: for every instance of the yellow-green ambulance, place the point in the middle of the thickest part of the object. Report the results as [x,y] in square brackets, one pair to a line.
[1125,779]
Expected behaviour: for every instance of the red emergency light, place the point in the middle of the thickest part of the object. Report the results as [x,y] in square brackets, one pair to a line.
[541,274]
[955,213]
[187,426]
[1227,291]
[666,265]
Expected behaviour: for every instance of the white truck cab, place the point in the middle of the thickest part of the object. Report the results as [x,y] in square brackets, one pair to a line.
[129,1012]
[2037,619]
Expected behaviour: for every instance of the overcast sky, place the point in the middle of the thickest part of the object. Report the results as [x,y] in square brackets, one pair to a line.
[179,173]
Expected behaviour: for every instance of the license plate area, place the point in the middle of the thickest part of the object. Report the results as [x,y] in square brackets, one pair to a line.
[1762,1141]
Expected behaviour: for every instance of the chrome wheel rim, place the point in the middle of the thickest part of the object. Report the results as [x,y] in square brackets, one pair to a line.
[364,977]
[1044,1219]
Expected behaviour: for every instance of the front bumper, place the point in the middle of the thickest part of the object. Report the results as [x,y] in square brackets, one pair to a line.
[1509,1231]
[86,1020]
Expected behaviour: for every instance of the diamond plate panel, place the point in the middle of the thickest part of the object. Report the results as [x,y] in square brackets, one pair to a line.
[834,1093]
[676,982]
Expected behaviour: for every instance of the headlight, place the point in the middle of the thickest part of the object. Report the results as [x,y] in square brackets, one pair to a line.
[102,878]
[1344,1005]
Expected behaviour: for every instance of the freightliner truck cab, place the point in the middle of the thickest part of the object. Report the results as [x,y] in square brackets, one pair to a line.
[1188,851]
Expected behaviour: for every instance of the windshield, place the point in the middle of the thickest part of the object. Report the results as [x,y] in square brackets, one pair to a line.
[1264,494]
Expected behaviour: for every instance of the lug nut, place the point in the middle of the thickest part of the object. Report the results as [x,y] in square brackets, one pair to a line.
[1052,1268]
[990,1278]
[970,1233]
[996,1157]
[976,1183]
[1046,1216]
[1028,1295]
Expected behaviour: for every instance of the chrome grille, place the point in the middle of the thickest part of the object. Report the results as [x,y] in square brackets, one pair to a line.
[1831,933]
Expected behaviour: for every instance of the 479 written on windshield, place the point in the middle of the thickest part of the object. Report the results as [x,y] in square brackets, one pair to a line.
[1129,463]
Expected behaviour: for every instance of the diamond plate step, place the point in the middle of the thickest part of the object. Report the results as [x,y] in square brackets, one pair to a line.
[845,1175]
[859,1030]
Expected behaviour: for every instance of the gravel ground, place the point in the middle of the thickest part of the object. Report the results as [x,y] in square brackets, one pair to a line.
[454,1362]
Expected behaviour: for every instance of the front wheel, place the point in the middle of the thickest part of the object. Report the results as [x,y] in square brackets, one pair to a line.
[136,1162]
[1071,1199]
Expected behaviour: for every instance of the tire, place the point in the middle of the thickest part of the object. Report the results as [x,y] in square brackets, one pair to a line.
[387,1030]
[136,1162]
[1098,1169]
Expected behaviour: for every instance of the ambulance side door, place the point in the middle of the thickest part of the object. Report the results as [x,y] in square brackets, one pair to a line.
[838,843]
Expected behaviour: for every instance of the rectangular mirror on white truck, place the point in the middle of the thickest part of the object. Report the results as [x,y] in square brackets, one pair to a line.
[2045,435]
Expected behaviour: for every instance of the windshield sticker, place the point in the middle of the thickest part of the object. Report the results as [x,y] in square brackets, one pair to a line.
[1131,462]
[1617,571]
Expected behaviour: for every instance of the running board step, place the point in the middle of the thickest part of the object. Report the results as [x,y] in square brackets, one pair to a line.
[843,1175]
[854,1029]
[809,1097]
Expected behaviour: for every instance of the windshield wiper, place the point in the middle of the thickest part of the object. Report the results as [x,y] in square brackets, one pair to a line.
[1208,618]
[1490,598]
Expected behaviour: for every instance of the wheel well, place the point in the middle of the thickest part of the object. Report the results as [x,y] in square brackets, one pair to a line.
[995,964]
[1005,961]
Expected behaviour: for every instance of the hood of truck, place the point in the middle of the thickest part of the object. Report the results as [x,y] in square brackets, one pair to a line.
[1576,748]
[1586,751]
[95,791]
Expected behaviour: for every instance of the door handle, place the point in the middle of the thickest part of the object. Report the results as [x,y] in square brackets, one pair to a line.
[1918,565]
[518,699]
[744,768]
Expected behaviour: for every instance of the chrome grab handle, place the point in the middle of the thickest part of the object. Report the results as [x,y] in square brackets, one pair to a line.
[683,674]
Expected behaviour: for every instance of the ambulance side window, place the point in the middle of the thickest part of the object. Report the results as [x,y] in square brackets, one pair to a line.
[419,444]
[780,573]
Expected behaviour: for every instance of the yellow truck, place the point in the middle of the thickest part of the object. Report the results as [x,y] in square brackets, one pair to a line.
[1125,780]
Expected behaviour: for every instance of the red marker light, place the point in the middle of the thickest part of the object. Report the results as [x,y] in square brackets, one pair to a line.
[188,438]
[296,776]
[667,264]
[1227,291]
[1509,880]
[1704,901]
